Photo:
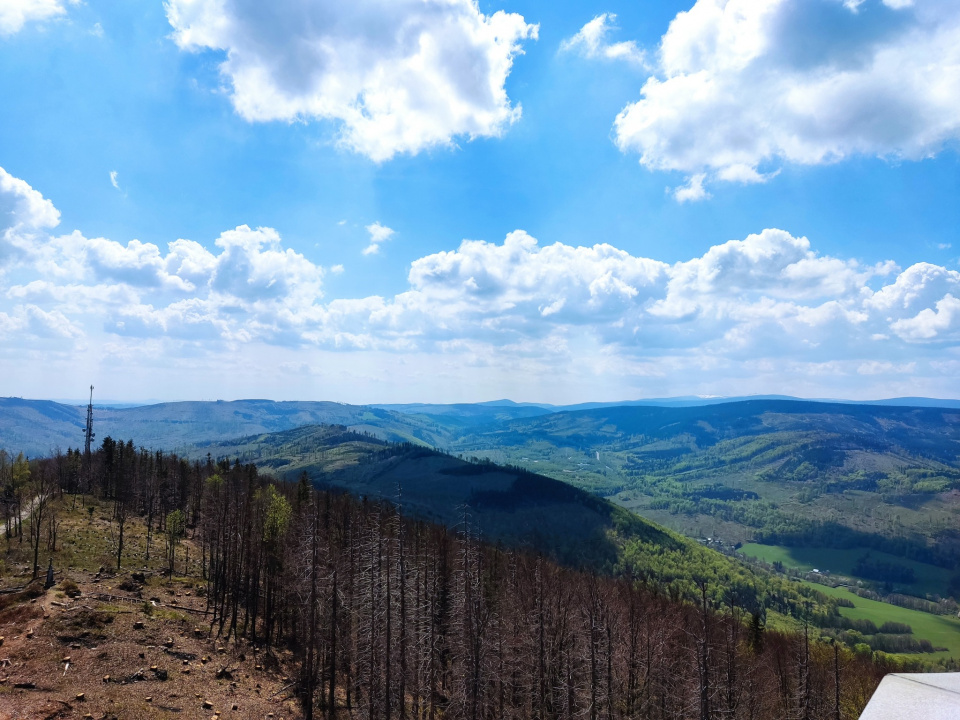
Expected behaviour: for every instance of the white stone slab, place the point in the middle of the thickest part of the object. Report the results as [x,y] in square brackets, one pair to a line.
[915,696]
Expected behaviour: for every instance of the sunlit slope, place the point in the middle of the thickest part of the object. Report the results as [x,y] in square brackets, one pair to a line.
[37,427]
[465,415]
[649,431]
[785,472]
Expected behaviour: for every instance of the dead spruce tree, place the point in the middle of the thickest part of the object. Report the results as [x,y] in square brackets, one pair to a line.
[391,618]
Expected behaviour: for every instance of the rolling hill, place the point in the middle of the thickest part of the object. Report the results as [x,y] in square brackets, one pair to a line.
[500,503]
[870,492]
[513,506]
[524,509]
[794,473]
[788,473]
[38,427]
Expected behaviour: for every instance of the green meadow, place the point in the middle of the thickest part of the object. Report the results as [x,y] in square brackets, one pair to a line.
[929,579]
[941,630]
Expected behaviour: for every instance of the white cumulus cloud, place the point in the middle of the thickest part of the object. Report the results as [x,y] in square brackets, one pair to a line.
[745,85]
[399,76]
[379,234]
[249,287]
[14,14]
[24,212]
[23,207]
[692,191]
[591,42]
[768,306]
[941,322]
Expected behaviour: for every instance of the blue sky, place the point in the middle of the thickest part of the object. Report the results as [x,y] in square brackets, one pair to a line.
[718,198]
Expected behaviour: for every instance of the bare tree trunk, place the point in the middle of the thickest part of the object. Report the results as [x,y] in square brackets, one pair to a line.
[308,669]
[402,690]
[388,659]
[331,700]
[703,653]
[836,680]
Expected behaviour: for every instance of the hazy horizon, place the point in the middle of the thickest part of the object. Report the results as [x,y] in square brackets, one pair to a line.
[135,402]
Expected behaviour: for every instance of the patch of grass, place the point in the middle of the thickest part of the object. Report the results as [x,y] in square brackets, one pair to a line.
[941,630]
[111,608]
[930,579]
[83,626]
[86,544]
[783,623]
[175,615]
[31,591]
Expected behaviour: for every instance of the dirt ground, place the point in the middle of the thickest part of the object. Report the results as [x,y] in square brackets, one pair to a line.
[130,647]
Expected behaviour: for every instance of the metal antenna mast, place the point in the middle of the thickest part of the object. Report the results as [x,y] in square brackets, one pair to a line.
[88,433]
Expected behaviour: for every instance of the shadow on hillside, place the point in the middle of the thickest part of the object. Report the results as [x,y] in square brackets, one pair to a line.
[508,505]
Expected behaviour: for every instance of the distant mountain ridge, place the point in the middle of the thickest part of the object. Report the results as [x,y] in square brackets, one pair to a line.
[681,401]
[919,428]
[39,427]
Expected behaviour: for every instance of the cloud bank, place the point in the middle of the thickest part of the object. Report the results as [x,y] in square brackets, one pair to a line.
[14,14]
[398,76]
[743,86]
[765,304]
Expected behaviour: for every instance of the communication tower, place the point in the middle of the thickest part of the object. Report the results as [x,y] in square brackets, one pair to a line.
[88,432]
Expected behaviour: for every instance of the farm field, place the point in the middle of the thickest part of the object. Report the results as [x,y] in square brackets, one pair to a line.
[929,579]
[941,630]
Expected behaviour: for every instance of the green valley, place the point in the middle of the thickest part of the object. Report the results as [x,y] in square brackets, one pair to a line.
[797,474]
[522,508]
[867,494]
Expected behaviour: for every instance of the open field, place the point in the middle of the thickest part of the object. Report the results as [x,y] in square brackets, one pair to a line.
[929,579]
[941,630]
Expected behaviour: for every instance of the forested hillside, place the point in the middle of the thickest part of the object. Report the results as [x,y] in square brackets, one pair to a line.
[387,616]
[523,510]
[866,495]
[518,507]
[796,474]
[38,427]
